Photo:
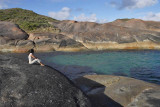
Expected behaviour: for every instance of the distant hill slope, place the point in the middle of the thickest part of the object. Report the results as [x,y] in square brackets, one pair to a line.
[26,19]
[108,32]
[138,24]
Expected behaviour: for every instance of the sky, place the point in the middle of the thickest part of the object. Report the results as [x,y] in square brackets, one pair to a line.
[100,11]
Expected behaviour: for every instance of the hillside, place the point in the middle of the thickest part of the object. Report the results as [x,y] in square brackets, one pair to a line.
[26,19]
[108,32]
[96,36]
[138,24]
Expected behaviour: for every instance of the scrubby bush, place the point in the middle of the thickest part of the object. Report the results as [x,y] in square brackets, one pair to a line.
[26,19]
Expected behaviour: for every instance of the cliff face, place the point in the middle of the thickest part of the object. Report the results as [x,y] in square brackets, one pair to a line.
[24,85]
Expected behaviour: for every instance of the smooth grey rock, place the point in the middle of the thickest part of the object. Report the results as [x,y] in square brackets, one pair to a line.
[24,85]
[118,91]
[12,31]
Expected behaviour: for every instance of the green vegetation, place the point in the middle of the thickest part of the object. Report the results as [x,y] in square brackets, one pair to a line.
[26,19]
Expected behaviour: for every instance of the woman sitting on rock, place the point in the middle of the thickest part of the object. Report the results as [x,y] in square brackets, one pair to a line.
[32,61]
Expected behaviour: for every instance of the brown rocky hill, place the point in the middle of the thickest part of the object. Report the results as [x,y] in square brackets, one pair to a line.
[138,24]
[110,35]
[13,39]
[93,32]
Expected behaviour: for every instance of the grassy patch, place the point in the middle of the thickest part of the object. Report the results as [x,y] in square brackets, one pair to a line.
[27,20]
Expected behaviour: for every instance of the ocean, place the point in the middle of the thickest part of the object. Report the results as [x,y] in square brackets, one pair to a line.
[138,64]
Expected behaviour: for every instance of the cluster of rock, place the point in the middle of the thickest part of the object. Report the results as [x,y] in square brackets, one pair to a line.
[24,85]
[13,39]
[118,91]
[131,34]
[76,36]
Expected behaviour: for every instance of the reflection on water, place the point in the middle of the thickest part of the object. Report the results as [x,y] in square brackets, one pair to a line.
[144,65]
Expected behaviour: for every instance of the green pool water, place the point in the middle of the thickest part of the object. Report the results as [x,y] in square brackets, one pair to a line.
[143,65]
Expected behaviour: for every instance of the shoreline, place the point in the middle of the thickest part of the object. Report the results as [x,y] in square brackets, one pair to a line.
[72,70]
[146,45]
[69,70]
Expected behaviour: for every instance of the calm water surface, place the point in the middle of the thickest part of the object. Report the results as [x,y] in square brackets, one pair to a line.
[144,65]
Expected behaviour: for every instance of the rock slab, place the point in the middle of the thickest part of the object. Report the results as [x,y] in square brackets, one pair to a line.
[24,85]
[118,91]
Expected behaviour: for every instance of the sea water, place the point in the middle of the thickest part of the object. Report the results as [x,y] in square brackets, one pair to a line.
[143,65]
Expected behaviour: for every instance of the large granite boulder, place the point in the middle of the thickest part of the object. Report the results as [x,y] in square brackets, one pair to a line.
[53,41]
[12,31]
[13,39]
[16,46]
[24,85]
[118,91]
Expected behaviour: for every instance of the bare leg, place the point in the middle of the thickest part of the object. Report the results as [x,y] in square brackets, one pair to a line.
[41,64]
[37,60]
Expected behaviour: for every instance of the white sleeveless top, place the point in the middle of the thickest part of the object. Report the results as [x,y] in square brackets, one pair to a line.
[30,58]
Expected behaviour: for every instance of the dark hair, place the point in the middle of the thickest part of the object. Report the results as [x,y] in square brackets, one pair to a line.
[31,51]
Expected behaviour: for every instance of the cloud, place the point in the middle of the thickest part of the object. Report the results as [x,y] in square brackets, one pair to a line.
[152,16]
[3,4]
[63,14]
[92,18]
[133,4]
[102,21]
[82,17]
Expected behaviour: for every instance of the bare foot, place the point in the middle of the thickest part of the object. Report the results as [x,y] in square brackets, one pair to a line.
[42,64]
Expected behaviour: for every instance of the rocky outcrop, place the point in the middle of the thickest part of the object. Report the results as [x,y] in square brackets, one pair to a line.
[13,39]
[24,85]
[138,24]
[118,91]
[52,41]
[109,35]
[78,36]
[11,31]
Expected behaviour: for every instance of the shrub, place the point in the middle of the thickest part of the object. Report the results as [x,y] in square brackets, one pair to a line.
[26,19]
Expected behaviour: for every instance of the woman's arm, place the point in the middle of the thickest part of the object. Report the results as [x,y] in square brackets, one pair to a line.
[33,56]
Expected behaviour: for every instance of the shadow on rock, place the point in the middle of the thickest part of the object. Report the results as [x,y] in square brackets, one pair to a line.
[95,92]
